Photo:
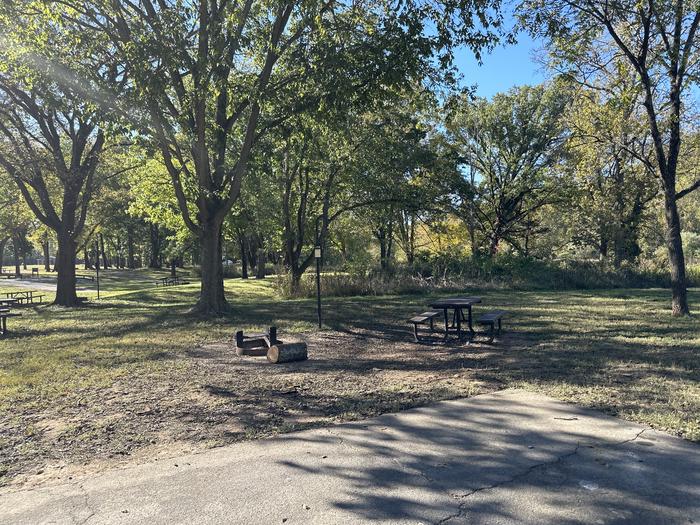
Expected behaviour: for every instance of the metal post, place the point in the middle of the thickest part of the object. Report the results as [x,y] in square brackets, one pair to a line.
[317,254]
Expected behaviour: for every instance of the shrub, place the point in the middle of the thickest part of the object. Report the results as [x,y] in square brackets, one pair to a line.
[453,274]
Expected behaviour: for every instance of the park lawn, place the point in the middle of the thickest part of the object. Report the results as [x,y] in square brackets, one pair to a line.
[136,377]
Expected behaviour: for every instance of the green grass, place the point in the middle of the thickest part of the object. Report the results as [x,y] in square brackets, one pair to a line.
[618,351]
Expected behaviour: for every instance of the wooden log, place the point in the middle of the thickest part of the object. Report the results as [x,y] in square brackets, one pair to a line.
[284,353]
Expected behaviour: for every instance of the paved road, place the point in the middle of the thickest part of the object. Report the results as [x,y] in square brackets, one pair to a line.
[509,457]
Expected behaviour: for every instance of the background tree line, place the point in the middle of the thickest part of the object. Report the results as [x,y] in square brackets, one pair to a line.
[236,136]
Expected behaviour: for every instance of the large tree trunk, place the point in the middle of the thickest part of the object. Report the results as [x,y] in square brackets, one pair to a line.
[18,270]
[244,257]
[105,261]
[155,247]
[47,256]
[260,266]
[296,275]
[676,258]
[3,243]
[65,261]
[86,258]
[493,245]
[212,299]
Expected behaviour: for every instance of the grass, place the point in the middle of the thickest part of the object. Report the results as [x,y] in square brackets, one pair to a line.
[135,375]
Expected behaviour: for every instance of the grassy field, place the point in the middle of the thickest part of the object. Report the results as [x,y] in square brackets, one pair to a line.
[136,377]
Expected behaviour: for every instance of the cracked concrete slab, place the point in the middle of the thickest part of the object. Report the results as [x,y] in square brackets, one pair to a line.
[508,457]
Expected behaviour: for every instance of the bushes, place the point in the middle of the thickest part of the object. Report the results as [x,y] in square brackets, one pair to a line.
[455,274]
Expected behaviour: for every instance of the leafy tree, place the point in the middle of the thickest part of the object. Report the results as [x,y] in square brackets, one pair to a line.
[206,82]
[50,138]
[658,39]
[608,140]
[511,146]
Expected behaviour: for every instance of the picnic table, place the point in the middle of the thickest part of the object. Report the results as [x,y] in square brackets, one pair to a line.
[25,296]
[170,281]
[457,305]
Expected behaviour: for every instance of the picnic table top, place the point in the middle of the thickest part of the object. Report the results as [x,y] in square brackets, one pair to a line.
[24,294]
[455,302]
[20,293]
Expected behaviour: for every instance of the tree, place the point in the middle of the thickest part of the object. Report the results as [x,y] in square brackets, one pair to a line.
[50,138]
[512,146]
[206,83]
[658,38]
[615,188]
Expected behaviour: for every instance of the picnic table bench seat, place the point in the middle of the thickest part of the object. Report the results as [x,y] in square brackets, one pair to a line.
[423,318]
[490,319]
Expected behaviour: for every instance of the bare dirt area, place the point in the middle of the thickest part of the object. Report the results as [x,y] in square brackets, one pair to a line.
[212,397]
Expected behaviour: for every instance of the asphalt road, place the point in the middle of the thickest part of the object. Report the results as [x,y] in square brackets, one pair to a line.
[509,457]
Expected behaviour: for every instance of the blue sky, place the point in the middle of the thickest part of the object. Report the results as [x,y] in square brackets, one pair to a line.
[505,67]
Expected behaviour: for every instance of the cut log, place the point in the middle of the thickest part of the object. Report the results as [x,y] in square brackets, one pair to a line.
[284,353]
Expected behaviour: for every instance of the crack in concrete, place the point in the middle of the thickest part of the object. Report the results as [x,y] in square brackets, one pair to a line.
[86,505]
[461,509]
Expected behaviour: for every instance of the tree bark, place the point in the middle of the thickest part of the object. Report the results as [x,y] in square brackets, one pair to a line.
[155,247]
[493,245]
[86,258]
[65,260]
[212,300]
[244,257]
[47,256]
[130,262]
[3,243]
[260,266]
[16,244]
[105,260]
[676,258]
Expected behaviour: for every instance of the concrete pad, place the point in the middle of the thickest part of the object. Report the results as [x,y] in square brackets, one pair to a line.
[508,457]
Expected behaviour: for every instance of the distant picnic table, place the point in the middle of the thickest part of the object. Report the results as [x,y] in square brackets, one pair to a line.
[457,305]
[170,281]
[25,296]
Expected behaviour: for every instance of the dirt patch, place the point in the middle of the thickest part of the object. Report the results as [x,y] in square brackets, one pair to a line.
[209,396]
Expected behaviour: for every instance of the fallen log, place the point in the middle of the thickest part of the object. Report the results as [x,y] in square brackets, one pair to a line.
[284,353]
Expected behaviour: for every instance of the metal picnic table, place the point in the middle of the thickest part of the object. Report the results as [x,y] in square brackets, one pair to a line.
[25,296]
[458,304]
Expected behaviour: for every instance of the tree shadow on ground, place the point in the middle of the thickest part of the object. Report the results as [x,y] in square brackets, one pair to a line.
[505,463]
